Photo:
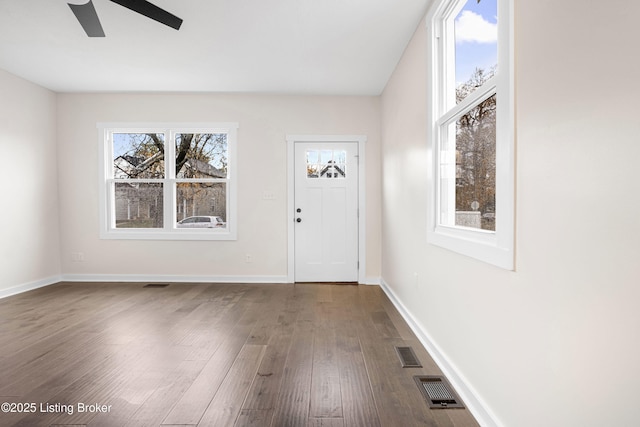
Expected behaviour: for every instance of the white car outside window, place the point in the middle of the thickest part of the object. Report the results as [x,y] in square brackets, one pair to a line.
[201,222]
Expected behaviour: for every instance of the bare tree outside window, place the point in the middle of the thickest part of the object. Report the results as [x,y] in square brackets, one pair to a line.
[138,156]
[476,156]
[139,159]
[201,155]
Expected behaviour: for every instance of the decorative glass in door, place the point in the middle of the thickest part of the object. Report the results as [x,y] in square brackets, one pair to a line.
[326,163]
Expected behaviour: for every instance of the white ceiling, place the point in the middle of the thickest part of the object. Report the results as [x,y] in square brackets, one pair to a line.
[275,46]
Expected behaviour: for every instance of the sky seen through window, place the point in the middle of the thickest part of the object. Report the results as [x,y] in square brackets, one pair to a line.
[476,31]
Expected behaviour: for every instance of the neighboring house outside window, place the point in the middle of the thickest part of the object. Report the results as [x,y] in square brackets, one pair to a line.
[471,124]
[168,181]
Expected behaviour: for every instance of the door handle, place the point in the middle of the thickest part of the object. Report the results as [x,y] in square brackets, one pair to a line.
[298,219]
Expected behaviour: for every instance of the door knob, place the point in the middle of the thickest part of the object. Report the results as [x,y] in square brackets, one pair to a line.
[298,210]
[298,219]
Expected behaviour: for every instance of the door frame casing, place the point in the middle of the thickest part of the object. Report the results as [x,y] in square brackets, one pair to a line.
[291,141]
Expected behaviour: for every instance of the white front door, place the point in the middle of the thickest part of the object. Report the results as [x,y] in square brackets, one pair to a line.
[326,212]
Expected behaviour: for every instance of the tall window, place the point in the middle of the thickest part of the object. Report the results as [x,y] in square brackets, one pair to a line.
[471,129]
[168,181]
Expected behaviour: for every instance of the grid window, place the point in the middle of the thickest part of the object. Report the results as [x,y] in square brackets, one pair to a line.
[471,129]
[168,181]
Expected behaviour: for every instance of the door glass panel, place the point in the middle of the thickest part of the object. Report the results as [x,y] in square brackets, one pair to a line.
[326,164]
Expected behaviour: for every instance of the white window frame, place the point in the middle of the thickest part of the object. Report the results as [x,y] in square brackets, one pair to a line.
[493,247]
[169,231]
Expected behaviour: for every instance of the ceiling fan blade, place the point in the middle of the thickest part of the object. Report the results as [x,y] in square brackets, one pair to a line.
[88,18]
[152,11]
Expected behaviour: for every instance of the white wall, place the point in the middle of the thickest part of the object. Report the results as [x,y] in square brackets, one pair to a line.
[264,121]
[554,343]
[28,185]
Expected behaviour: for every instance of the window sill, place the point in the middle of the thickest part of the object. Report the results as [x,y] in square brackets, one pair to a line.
[481,245]
[167,235]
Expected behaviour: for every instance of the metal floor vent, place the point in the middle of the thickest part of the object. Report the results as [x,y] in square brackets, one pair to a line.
[156,285]
[438,392]
[408,358]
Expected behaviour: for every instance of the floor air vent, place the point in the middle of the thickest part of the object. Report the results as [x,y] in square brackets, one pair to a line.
[408,358]
[438,392]
[156,285]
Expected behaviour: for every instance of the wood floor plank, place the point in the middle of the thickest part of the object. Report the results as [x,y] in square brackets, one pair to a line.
[292,408]
[326,398]
[97,386]
[192,405]
[173,385]
[326,422]
[462,418]
[25,377]
[227,403]
[254,418]
[384,325]
[398,401]
[359,409]
[442,418]
[213,354]
[266,386]
[54,335]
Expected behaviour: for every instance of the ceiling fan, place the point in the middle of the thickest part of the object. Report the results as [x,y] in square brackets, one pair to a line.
[88,17]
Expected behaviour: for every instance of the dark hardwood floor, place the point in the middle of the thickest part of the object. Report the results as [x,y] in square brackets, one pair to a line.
[210,355]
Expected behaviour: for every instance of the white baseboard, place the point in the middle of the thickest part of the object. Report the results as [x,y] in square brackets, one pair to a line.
[471,398]
[171,278]
[186,279]
[137,278]
[371,281]
[4,293]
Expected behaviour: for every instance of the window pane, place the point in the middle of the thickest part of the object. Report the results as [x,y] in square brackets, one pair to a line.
[138,205]
[201,199]
[201,155]
[326,164]
[476,47]
[138,155]
[468,169]
[313,164]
